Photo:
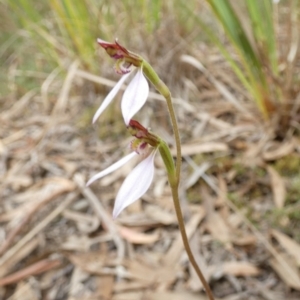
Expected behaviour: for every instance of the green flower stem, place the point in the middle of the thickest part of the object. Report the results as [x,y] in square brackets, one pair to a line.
[177,137]
[169,164]
[164,91]
[168,161]
[174,177]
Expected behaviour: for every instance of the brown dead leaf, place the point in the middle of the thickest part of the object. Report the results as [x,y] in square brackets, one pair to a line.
[278,187]
[35,230]
[68,166]
[126,286]
[173,296]
[77,286]
[247,240]
[38,195]
[105,287]
[63,98]
[222,192]
[159,189]
[160,215]
[191,149]
[234,220]
[86,223]
[252,155]
[194,283]
[233,268]
[24,291]
[290,246]
[172,256]
[135,237]
[137,220]
[214,221]
[18,106]
[23,252]
[240,268]
[33,269]
[19,181]
[142,272]
[286,270]
[76,243]
[218,228]
[280,150]
[218,84]
[91,262]
[129,296]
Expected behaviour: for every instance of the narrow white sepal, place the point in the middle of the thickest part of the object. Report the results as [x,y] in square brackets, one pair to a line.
[99,41]
[111,95]
[134,96]
[135,185]
[112,168]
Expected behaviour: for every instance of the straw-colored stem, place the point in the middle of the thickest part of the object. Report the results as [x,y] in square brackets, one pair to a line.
[176,135]
[187,245]
[164,91]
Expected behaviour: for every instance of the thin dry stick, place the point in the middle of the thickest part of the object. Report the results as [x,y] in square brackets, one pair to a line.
[61,103]
[12,234]
[102,214]
[34,269]
[22,242]
[261,237]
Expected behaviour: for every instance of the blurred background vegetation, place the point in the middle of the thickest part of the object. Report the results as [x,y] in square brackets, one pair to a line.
[41,36]
[254,42]
[38,37]
[258,40]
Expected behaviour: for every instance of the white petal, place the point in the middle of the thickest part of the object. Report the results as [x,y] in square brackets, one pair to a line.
[135,185]
[135,96]
[112,168]
[110,97]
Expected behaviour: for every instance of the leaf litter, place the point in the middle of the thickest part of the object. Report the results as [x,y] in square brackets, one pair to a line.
[59,241]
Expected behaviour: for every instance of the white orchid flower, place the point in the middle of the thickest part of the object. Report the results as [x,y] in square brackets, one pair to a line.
[140,178]
[136,183]
[136,92]
[133,99]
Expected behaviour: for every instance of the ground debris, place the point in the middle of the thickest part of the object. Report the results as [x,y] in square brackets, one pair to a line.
[58,239]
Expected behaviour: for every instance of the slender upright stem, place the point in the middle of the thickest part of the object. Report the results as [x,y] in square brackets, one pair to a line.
[177,137]
[164,91]
[174,183]
[187,245]
[177,206]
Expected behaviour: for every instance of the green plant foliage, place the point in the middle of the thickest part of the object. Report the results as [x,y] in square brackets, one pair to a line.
[65,30]
[249,26]
[288,165]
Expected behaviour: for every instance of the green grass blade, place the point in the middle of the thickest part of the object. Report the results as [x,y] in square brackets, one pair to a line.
[233,26]
[261,14]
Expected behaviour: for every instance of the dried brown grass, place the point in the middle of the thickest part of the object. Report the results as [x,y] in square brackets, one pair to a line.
[58,240]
